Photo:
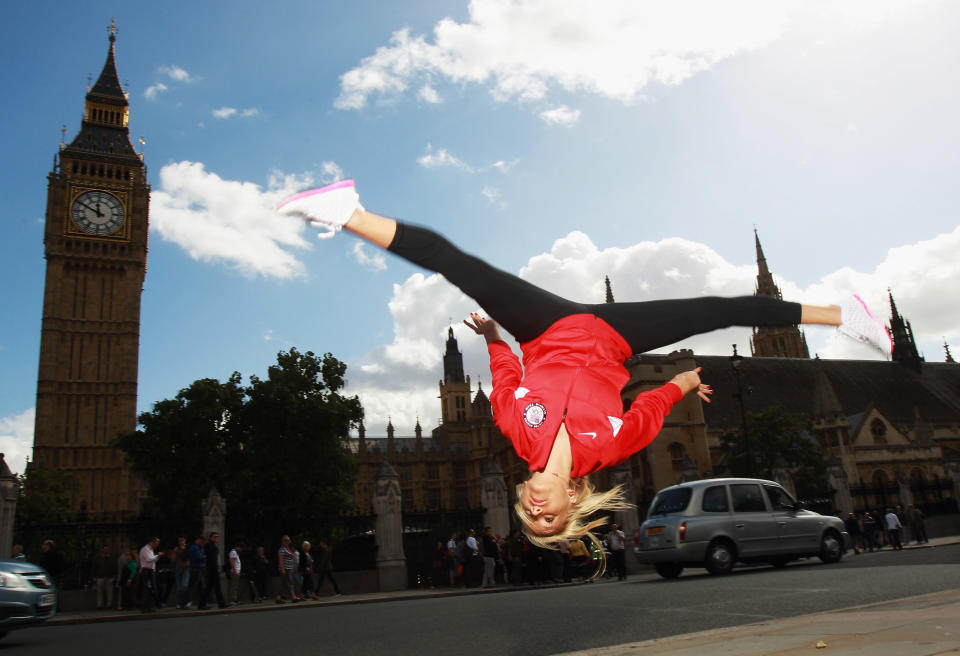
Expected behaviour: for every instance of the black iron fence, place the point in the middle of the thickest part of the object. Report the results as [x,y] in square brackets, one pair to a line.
[350,535]
[933,497]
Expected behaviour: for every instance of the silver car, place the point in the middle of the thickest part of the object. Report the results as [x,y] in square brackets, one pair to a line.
[718,522]
[27,595]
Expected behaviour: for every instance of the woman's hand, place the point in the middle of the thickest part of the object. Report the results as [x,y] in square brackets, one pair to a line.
[689,381]
[483,326]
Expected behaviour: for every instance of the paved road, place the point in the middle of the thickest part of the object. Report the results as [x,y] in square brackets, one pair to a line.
[525,622]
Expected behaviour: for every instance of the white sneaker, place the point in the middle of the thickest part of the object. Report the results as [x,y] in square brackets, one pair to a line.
[328,207]
[859,323]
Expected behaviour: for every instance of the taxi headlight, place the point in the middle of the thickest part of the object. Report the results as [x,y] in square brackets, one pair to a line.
[10,580]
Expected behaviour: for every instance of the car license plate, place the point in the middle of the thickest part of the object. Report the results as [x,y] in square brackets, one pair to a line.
[653,543]
[48,600]
[655,530]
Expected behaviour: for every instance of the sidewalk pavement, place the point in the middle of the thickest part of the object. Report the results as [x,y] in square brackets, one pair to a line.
[919,626]
[928,624]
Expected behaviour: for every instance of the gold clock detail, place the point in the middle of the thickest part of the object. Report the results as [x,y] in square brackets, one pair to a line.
[97,212]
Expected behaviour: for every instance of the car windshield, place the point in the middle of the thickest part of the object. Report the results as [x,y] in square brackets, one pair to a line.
[670,501]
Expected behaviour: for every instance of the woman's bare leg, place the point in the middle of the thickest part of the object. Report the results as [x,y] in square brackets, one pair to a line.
[374,228]
[826,315]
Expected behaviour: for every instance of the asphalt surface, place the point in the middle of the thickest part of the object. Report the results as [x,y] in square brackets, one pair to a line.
[524,621]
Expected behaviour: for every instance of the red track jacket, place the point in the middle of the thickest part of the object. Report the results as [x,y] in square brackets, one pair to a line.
[574,374]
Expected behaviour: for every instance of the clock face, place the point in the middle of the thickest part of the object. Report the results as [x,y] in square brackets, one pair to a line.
[97,212]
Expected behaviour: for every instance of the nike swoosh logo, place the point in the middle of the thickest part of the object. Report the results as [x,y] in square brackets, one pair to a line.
[592,436]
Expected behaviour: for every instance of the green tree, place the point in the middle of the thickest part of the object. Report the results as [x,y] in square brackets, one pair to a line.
[296,424]
[45,497]
[275,446]
[778,438]
[187,444]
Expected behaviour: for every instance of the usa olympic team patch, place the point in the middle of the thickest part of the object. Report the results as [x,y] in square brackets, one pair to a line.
[534,415]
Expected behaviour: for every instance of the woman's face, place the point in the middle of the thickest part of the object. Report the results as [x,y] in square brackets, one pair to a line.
[546,500]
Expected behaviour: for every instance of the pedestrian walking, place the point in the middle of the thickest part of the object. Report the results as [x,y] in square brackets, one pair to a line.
[869,532]
[287,564]
[181,571]
[213,567]
[324,562]
[852,525]
[306,571]
[894,527]
[104,577]
[233,570]
[617,544]
[149,594]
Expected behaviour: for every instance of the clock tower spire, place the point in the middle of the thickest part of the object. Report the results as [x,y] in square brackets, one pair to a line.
[95,244]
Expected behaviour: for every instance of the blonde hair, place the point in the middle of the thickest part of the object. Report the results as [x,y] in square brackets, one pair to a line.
[586,502]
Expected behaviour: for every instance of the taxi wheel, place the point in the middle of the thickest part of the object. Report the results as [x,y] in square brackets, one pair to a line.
[831,549]
[721,557]
[668,570]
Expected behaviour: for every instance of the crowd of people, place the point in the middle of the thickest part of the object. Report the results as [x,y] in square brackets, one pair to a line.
[874,530]
[192,575]
[486,559]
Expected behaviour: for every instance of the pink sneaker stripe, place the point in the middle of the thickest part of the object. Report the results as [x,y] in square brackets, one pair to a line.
[870,314]
[320,190]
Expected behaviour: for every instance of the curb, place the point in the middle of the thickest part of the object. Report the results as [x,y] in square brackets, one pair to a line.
[267,606]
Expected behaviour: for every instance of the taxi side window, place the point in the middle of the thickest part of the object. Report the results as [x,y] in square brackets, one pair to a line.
[747,498]
[715,499]
[779,498]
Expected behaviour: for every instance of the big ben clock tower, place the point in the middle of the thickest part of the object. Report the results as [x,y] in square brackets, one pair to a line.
[96,250]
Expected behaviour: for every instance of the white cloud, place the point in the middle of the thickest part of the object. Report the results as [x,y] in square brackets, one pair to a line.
[504,166]
[429,95]
[492,194]
[177,74]
[521,50]
[230,112]
[375,262]
[154,90]
[400,379]
[268,336]
[230,221]
[16,439]
[433,159]
[330,172]
[561,115]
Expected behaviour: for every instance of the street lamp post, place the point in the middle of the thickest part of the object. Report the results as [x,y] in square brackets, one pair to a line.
[736,360]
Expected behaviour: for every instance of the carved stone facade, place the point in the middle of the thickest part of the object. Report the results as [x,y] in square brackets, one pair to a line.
[449,469]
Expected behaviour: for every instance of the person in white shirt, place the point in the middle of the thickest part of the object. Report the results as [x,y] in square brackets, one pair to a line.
[233,582]
[893,529]
[615,540]
[148,576]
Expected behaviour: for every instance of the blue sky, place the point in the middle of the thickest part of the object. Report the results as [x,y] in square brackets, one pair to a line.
[643,142]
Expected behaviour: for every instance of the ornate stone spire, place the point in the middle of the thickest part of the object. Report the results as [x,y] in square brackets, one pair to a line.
[765,284]
[606,281]
[946,348]
[774,341]
[106,114]
[452,360]
[904,347]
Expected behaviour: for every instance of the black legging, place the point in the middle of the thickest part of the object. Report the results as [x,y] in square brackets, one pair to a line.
[526,311]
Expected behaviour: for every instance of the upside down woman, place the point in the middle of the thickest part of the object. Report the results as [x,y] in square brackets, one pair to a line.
[562,409]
